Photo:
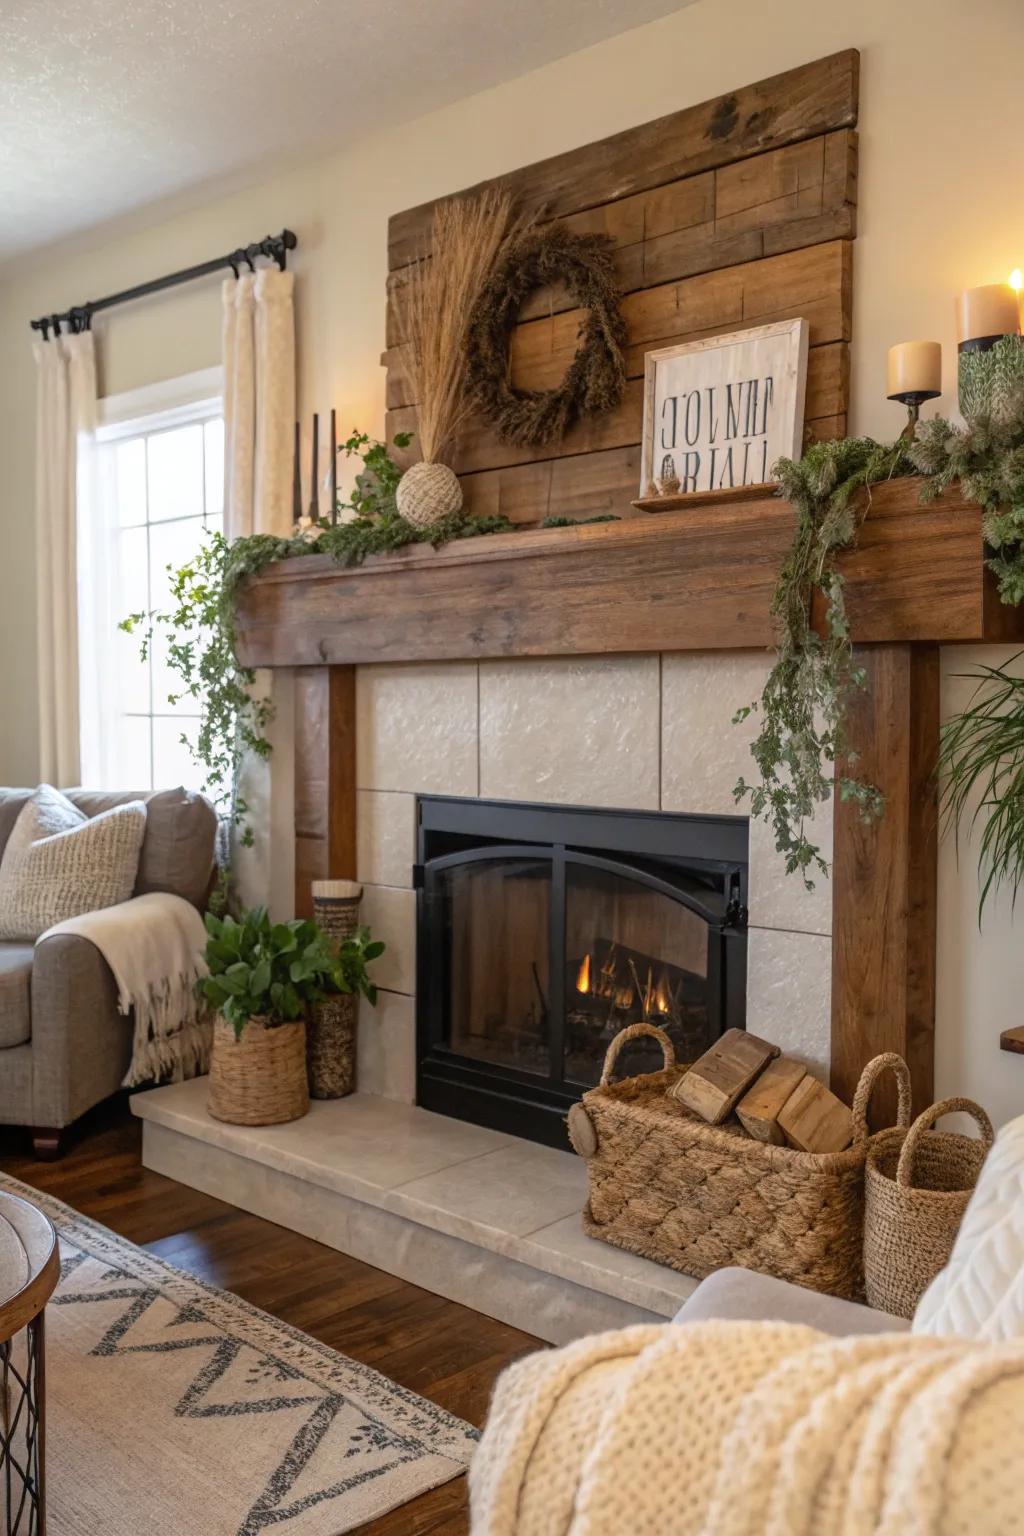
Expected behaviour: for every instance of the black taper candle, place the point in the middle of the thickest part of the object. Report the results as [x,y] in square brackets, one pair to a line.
[297,479]
[334,466]
[314,488]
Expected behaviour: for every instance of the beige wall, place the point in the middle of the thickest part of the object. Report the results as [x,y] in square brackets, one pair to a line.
[942,124]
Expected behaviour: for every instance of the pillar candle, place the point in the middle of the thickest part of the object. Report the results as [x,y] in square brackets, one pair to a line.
[990,311]
[914,368]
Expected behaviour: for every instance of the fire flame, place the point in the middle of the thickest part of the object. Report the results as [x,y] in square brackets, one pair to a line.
[662,1002]
[583,975]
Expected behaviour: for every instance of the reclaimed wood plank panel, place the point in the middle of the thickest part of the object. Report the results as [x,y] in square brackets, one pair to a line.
[799,104]
[700,580]
[775,202]
[884,877]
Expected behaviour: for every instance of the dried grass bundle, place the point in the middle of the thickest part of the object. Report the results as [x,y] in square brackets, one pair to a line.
[438,301]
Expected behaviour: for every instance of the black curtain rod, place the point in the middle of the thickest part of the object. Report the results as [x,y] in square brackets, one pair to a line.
[274,247]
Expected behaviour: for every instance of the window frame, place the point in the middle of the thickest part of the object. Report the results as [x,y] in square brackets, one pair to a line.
[146,412]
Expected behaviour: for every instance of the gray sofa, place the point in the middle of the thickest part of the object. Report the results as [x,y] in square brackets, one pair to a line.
[63,1044]
[741,1294]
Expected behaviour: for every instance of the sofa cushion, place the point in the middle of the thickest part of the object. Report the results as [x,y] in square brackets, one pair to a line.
[734,1293]
[181,831]
[58,864]
[178,853]
[15,993]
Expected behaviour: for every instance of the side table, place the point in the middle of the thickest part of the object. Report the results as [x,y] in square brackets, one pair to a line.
[29,1271]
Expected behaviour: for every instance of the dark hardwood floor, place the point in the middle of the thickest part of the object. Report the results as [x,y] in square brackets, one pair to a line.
[433,1346]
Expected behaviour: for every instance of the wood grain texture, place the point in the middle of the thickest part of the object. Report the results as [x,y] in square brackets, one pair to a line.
[435,1347]
[799,196]
[799,104]
[325,778]
[700,580]
[884,876]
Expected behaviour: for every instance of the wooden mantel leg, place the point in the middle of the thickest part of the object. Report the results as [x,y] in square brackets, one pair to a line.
[884,876]
[325,778]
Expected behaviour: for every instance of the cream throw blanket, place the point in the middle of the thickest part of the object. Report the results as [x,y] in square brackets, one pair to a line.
[754,1429]
[154,945]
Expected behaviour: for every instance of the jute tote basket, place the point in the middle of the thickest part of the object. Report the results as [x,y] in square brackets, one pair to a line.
[259,1079]
[331,1028]
[698,1197]
[917,1185]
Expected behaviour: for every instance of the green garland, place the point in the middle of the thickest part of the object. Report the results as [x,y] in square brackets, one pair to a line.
[803,706]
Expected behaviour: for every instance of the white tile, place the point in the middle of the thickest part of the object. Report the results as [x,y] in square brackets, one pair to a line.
[576,731]
[538,1301]
[778,900]
[515,1191]
[417,728]
[702,752]
[360,1145]
[386,1047]
[385,836]
[390,915]
[571,1253]
[789,993]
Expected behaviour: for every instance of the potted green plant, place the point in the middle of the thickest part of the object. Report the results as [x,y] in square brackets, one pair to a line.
[263,979]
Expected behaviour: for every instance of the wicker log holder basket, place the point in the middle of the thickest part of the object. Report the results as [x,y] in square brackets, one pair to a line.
[697,1197]
[331,1030]
[260,1078]
[917,1185]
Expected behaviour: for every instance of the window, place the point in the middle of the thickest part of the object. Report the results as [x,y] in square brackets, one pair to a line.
[158,490]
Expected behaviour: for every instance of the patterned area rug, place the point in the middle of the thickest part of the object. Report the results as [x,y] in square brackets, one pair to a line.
[179,1410]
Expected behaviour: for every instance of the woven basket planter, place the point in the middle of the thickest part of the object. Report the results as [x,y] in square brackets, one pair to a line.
[698,1197]
[917,1185]
[260,1078]
[331,1029]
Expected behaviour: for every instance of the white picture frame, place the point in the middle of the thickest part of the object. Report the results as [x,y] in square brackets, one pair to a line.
[719,413]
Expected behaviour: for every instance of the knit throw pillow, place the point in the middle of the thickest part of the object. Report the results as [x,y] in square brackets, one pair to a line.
[59,863]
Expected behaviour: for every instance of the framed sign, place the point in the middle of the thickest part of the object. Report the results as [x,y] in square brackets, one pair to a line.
[719,413]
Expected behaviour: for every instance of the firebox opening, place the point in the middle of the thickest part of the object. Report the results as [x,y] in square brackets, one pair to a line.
[543,931]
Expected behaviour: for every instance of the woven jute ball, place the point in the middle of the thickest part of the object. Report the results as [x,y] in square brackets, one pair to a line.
[260,1078]
[427,494]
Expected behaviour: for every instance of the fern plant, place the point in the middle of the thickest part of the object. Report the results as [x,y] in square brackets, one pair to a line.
[981,761]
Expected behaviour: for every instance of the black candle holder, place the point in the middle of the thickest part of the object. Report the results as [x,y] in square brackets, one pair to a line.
[913,399]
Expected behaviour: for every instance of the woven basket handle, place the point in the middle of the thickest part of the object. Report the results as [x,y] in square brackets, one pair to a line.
[632,1032]
[866,1087]
[924,1122]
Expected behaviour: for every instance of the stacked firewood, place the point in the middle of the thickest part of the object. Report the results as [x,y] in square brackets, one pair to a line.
[773,1096]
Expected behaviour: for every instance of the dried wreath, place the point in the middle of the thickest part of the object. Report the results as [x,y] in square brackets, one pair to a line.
[596,377]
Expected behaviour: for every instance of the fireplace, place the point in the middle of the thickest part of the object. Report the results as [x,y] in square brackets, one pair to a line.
[544,930]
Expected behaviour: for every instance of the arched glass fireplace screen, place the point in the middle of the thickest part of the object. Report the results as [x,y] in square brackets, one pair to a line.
[543,931]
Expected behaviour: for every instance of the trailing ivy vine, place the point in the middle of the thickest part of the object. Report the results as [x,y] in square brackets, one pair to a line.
[802,708]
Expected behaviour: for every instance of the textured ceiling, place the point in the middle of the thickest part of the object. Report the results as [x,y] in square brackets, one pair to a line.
[105,107]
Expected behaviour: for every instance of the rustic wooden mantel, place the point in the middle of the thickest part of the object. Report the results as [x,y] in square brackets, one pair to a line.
[695,579]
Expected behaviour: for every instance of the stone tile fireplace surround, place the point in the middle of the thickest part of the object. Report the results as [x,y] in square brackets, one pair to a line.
[649,732]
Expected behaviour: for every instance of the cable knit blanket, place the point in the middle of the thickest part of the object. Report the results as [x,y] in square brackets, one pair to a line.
[754,1429]
[154,945]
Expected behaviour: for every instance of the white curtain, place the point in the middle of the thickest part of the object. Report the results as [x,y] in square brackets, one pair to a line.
[259,412]
[259,403]
[65,434]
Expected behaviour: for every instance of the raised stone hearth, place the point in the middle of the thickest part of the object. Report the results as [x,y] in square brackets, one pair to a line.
[482,1218]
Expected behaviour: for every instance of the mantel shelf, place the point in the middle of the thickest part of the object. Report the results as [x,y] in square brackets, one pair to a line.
[695,579]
